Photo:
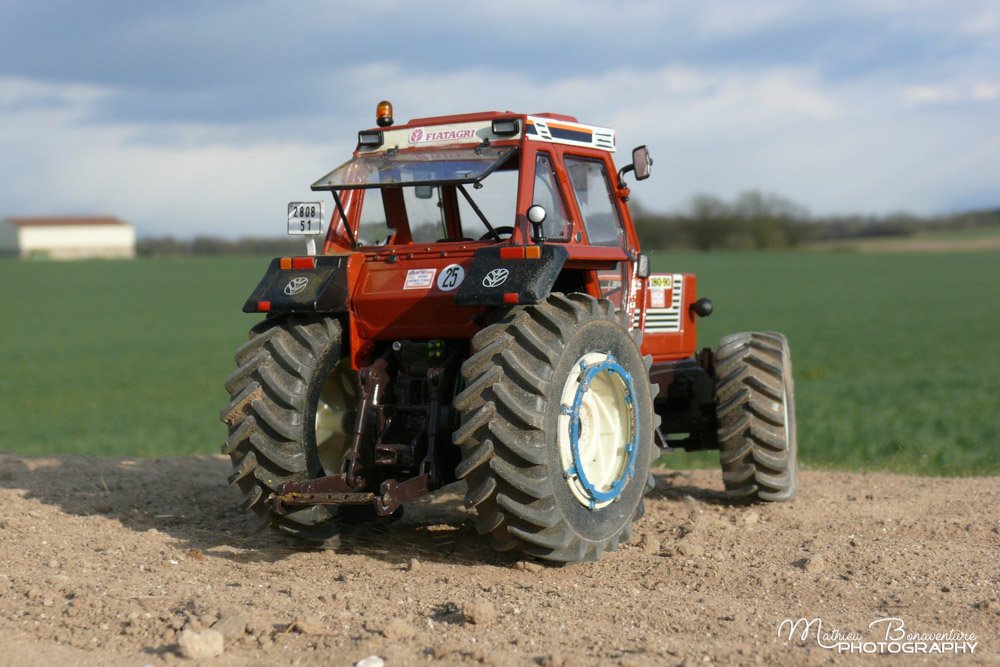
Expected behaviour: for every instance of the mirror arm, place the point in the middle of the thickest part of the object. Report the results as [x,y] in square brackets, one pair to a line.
[621,174]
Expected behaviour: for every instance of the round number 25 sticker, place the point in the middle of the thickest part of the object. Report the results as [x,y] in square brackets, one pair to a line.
[450,277]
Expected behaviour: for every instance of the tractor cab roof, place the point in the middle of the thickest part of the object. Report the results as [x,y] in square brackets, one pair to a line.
[453,149]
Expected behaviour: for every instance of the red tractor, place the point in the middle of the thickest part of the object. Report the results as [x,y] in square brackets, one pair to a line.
[480,310]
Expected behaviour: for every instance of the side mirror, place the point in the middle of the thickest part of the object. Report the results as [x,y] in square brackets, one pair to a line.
[642,268]
[642,161]
[642,165]
[536,216]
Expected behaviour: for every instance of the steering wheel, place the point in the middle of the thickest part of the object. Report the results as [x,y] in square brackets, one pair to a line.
[506,229]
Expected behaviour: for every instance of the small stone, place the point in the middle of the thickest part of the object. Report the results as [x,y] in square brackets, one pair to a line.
[751,518]
[53,563]
[446,648]
[370,661]
[307,626]
[528,566]
[553,660]
[398,629]
[814,565]
[479,612]
[649,545]
[258,627]
[232,626]
[200,645]
[413,565]
[690,549]
[500,658]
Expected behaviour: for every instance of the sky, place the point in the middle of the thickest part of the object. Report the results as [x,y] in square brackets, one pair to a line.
[190,118]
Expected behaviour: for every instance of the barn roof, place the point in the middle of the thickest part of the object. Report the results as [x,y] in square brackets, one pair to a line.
[68,221]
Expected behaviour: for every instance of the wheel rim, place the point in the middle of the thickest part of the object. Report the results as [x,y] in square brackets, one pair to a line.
[334,411]
[598,430]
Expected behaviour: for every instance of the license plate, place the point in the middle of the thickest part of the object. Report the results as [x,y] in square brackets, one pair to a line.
[305,218]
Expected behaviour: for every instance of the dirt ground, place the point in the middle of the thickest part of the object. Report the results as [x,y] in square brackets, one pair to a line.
[108,562]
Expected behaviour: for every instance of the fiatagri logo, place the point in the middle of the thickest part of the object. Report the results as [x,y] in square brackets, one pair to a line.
[420,136]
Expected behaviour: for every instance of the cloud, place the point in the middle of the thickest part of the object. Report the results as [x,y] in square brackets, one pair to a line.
[950,93]
[195,118]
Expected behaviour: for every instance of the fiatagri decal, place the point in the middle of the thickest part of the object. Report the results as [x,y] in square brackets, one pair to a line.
[419,135]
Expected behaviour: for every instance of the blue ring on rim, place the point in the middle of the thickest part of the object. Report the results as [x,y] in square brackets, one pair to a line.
[610,365]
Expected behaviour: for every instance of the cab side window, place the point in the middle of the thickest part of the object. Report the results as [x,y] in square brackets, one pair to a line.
[557,226]
[595,198]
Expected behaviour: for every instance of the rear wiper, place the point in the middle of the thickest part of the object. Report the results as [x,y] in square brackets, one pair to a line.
[461,188]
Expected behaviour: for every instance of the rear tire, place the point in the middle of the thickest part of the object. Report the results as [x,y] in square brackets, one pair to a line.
[514,456]
[271,416]
[755,394]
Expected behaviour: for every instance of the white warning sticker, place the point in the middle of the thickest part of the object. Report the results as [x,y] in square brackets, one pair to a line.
[419,278]
[658,298]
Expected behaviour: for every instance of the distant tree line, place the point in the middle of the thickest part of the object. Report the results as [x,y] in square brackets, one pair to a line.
[762,221]
[752,221]
[165,246]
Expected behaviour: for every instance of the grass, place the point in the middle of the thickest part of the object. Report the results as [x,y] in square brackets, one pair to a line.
[120,358]
[896,356]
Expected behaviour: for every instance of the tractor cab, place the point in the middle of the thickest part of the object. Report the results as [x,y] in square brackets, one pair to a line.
[439,221]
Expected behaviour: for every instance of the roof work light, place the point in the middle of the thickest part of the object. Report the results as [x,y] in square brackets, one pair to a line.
[505,127]
[370,138]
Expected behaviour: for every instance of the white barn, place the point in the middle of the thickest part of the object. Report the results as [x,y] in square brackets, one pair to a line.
[67,238]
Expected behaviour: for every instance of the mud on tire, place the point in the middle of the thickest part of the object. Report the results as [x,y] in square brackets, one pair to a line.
[756,416]
[271,412]
[511,406]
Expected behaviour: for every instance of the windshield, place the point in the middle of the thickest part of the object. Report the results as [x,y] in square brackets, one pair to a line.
[425,209]
[428,167]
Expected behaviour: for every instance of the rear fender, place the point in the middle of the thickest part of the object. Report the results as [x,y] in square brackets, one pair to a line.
[322,288]
[491,276]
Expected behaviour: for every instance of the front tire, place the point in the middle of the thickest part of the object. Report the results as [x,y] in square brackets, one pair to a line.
[755,410]
[530,372]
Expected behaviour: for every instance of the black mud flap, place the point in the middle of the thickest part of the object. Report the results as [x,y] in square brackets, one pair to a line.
[322,288]
[491,277]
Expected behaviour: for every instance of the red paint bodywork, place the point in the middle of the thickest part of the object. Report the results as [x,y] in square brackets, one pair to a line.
[382,310]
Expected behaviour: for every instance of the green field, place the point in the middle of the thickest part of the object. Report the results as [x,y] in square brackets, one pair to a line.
[897,357]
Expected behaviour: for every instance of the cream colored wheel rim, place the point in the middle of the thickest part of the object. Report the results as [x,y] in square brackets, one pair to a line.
[606,429]
[337,402]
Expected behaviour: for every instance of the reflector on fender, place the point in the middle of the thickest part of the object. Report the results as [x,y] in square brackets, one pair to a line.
[263,306]
[511,297]
[521,252]
[285,263]
[303,262]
